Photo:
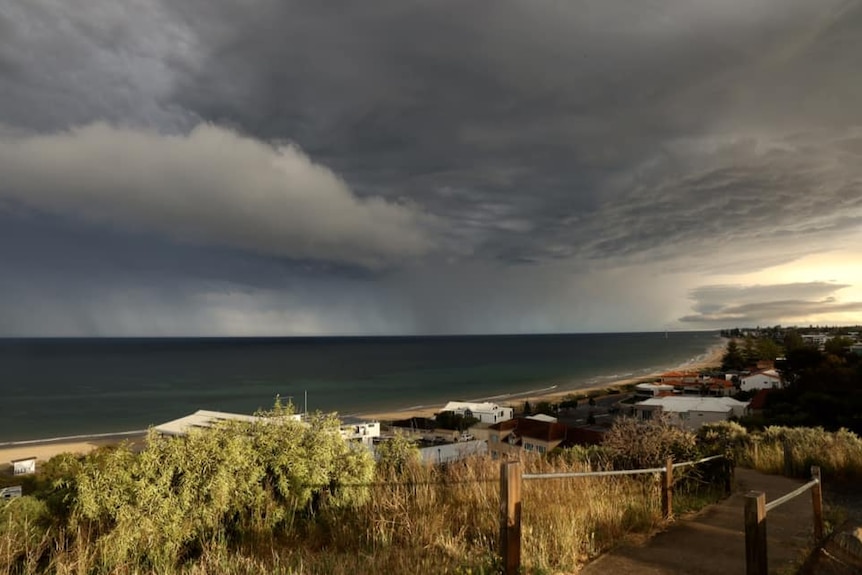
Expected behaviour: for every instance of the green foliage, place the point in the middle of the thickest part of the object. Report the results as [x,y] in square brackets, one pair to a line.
[23,533]
[456,421]
[823,389]
[238,477]
[838,454]
[636,444]
[395,453]
[733,358]
[722,437]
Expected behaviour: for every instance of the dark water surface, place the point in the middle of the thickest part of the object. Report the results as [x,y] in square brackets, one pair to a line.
[54,387]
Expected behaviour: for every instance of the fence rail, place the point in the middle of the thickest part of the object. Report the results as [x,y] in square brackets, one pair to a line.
[511,478]
[756,509]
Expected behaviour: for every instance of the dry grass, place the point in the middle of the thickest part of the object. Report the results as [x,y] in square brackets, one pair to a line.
[421,519]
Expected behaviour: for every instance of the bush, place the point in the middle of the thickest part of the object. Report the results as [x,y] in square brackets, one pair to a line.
[637,444]
[23,533]
[178,494]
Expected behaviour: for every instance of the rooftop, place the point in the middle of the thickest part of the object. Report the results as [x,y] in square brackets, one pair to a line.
[681,404]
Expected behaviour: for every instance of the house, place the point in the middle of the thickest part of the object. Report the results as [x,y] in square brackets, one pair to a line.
[449,452]
[25,466]
[485,412]
[356,431]
[758,402]
[691,412]
[363,432]
[536,436]
[647,390]
[204,419]
[767,379]
[719,387]
[677,378]
[542,417]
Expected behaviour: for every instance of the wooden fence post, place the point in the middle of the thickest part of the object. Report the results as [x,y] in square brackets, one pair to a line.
[817,504]
[755,533]
[788,459]
[510,517]
[728,474]
[667,490]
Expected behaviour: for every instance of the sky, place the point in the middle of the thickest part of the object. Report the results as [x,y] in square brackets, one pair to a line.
[293,167]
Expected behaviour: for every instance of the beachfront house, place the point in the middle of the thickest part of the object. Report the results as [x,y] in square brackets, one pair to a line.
[356,431]
[485,412]
[204,419]
[691,412]
[648,390]
[26,466]
[524,434]
[363,432]
[767,379]
[449,452]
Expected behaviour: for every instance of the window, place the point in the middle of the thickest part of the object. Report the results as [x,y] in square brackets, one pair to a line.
[541,448]
[495,438]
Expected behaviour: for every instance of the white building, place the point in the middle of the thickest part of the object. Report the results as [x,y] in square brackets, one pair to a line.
[768,379]
[691,412]
[204,419]
[24,466]
[647,390]
[362,432]
[485,412]
[453,451]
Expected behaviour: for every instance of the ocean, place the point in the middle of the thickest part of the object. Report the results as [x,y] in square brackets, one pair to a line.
[64,387]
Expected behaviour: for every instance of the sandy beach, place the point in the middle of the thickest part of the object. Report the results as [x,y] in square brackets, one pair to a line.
[712,358]
[46,449]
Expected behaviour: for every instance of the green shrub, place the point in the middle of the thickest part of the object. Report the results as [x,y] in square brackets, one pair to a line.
[638,444]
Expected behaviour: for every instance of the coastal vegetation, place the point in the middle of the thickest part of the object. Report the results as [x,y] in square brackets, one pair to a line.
[281,497]
[823,383]
[215,504]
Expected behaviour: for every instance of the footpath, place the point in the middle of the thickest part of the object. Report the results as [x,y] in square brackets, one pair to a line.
[712,542]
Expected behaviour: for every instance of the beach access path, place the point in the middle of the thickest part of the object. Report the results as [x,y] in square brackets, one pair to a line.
[712,541]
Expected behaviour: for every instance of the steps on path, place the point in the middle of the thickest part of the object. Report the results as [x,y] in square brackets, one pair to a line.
[712,542]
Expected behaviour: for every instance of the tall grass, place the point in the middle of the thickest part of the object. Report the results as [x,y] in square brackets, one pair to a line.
[212,504]
[419,519]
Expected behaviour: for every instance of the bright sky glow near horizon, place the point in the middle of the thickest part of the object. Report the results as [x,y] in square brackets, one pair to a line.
[292,167]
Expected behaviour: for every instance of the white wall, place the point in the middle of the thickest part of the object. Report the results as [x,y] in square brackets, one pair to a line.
[759,381]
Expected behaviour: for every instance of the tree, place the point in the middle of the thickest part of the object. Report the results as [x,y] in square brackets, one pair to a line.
[732,358]
[838,346]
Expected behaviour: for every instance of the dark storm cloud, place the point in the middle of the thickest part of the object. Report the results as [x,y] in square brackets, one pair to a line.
[454,165]
[211,187]
[766,304]
[515,123]
[65,64]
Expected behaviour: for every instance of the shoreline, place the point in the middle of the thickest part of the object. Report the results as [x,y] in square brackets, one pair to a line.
[710,358]
[46,448]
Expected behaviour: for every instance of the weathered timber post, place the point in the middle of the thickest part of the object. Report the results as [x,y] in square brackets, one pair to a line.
[510,517]
[667,490]
[728,475]
[817,504]
[788,459]
[755,533]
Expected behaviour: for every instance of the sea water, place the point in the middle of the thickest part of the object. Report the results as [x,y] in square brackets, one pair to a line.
[60,387]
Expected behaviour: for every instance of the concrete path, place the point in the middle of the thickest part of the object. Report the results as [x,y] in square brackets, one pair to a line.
[712,542]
